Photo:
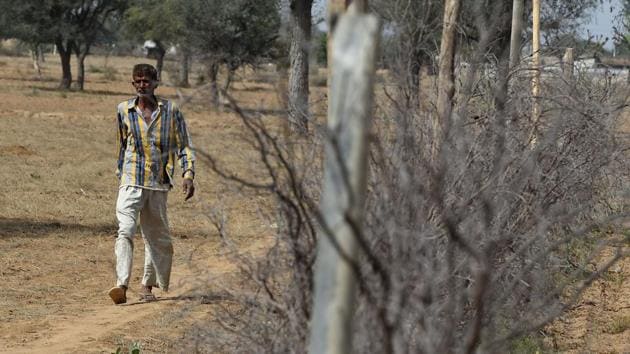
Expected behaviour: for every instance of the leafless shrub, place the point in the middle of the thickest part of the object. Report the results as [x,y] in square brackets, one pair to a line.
[472,242]
[273,302]
[467,252]
[464,252]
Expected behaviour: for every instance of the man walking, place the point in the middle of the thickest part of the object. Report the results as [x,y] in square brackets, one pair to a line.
[152,134]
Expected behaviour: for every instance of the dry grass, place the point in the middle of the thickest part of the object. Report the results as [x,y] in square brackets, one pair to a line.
[57,217]
[57,221]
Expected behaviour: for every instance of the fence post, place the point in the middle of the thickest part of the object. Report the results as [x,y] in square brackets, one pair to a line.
[349,113]
[517,30]
[567,64]
[535,70]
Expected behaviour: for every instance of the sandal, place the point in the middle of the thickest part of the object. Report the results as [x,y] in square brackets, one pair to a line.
[147,296]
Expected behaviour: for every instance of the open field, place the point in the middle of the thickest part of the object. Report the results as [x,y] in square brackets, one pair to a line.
[57,222]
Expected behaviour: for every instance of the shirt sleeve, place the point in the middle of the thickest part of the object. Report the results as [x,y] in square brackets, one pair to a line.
[121,141]
[185,150]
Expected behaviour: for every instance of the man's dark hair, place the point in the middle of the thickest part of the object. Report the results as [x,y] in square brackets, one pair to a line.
[146,70]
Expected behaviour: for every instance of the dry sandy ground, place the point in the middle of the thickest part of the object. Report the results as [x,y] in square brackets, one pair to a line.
[600,321]
[57,221]
[57,224]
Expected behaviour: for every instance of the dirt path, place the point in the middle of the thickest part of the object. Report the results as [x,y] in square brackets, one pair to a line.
[90,330]
[68,336]
[57,219]
[600,321]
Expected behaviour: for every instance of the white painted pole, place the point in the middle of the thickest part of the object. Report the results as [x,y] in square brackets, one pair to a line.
[517,30]
[536,63]
[349,115]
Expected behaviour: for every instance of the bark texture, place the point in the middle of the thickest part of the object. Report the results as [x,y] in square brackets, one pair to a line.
[446,80]
[65,52]
[298,70]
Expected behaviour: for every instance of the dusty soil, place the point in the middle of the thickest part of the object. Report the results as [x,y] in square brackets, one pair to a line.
[600,321]
[57,223]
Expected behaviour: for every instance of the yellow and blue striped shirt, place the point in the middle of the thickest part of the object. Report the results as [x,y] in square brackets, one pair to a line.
[147,152]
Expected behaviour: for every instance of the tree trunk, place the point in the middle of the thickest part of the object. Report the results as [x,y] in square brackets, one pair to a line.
[415,62]
[228,79]
[185,69]
[81,71]
[65,52]
[446,79]
[535,64]
[40,54]
[298,71]
[213,73]
[81,54]
[517,30]
[35,57]
[160,53]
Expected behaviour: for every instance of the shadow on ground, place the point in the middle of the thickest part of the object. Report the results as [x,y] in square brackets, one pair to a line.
[84,91]
[18,227]
[205,299]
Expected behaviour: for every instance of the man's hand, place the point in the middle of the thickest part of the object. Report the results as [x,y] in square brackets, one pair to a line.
[189,188]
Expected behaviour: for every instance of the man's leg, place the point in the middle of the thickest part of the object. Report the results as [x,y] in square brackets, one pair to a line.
[128,208]
[154,223]
[149,279]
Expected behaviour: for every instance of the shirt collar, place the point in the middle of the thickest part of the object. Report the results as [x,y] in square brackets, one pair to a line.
[133,102]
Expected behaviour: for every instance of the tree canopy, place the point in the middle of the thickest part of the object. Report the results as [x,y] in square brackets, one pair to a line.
[235,33]
[72,25]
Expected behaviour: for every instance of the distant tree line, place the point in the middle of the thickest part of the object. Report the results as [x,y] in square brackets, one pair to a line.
[235,33]
[229,33]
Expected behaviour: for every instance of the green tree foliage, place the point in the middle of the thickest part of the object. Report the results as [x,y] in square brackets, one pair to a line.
[93,22]
[232,34]
[72,25]
[562,20]
[158,20]
[622,30]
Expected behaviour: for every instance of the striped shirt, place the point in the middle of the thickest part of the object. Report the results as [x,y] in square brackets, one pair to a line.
[147,152]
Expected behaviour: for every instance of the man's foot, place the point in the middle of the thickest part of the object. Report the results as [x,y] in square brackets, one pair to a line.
[118,294]
[146,294]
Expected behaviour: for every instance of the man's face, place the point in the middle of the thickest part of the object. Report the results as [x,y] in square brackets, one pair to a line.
[144,85]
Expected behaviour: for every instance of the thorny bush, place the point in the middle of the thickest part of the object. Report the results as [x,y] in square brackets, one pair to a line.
[467,250]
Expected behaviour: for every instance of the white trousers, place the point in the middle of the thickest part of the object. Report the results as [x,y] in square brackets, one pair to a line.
[150,207]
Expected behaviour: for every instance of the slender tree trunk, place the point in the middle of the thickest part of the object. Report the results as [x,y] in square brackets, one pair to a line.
[65,52]
[40,54]
[298,72]
[81,54]
[535,62]
[446,79]
[35,58]
[228,79]
[185,69]
[81,71]
[161,52]
[517,30]
[415,62]
[213,73]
